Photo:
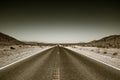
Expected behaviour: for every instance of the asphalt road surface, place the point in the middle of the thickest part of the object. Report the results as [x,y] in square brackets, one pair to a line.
[59,63]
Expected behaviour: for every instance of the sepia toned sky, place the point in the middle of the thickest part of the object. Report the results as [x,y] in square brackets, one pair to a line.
[60,21]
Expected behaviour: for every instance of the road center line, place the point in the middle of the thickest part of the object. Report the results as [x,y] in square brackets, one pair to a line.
[56,75]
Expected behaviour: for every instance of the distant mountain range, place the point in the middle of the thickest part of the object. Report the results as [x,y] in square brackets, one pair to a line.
[38,43]
[8,40]
[112,41]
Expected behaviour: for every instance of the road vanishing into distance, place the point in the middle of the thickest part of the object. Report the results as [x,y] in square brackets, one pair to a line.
[59,63]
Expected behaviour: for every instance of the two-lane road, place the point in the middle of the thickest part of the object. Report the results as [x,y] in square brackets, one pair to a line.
[59,63]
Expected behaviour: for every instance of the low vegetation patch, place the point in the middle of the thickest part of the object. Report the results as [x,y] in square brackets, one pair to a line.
[12,48]
[98,51]
[20,46]
[114,54]
[104,52]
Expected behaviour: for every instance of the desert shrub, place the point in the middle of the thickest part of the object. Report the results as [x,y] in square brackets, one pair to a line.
[104,52]
[92,50]
[20,46]
[115,53]
[5,50]
[98,51]
[12,48]
[73,47]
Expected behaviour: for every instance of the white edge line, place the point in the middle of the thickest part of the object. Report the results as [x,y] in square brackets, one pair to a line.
[98,61]
[22,59]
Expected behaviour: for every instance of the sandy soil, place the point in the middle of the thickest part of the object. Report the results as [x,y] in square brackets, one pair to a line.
[110,56]
[111,52]
[8,55]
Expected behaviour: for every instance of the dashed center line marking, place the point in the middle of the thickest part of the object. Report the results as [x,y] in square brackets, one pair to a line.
[56,75]
[58,52]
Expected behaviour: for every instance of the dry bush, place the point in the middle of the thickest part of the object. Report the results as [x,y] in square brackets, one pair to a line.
[98,51]
[20,46]
[104,52]
[92,50]
[114,54]
[12,48]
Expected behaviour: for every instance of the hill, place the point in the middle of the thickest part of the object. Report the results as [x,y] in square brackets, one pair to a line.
[8,40]
[112,41]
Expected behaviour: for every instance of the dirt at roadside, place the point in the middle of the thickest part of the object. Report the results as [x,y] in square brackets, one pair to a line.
[9,54]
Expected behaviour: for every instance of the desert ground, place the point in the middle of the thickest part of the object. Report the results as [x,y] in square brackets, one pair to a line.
[13,53]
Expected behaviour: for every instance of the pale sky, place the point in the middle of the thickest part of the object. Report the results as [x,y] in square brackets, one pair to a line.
[64,22]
